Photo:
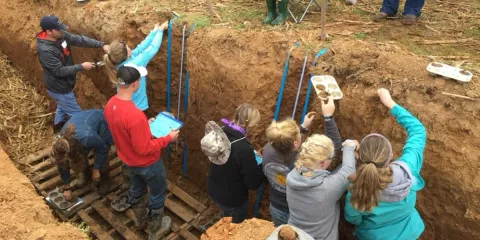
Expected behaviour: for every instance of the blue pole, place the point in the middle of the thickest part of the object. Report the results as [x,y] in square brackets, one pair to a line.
[309,88]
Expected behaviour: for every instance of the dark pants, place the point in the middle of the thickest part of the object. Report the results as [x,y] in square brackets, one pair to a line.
[154,177]
[412,7]
[238,214]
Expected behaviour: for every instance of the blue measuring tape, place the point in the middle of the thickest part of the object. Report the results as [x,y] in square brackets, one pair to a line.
[309,88]
[275,117]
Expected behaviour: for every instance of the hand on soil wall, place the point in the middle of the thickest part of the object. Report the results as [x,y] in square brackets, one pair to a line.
[328,108]
[307,122]
[161,27]
[174,135]
[352,143]
[385,97]
[87,65]
[95,174]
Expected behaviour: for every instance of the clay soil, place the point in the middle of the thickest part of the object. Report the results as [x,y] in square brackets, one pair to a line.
[24,215]
[236,60]
[255,229]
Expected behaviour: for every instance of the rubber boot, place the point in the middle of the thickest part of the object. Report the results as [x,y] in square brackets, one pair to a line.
[272,11]
[282,12]
[105,181]
[83,178]
[126,179]
[158,225]
[57,128]
[140,211]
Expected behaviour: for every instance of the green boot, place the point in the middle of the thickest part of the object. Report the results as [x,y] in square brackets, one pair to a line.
[272,11]
[282,12]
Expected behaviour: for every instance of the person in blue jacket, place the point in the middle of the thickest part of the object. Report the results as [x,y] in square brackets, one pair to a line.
[120,54]
[382,196]
[84,131]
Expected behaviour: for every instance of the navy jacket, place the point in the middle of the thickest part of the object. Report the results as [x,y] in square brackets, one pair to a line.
[91,132]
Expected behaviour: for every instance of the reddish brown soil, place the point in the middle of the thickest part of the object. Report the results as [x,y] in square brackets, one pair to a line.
[24,214]
[249,229]
[229,67]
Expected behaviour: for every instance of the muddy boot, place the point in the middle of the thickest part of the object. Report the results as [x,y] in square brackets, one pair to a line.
[126,179]
[83,178]
[282,12]
[409,19]
[140,211]
[158,225]
[105,181]
[272,11]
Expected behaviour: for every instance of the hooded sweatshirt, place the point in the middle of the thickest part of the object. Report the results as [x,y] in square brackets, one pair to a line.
[141,56]
[56,60]
[313,201]
[276,166]
[228,184]
[395,216]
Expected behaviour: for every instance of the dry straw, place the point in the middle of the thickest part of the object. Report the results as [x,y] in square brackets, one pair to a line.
[24,116]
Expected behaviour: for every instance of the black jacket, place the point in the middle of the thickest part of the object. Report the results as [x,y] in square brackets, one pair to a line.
[228,184]
[57,63]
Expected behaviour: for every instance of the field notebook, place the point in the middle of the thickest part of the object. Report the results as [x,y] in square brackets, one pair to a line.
[163,124]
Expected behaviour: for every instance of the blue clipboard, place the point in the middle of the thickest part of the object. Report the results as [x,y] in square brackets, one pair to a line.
[163,124]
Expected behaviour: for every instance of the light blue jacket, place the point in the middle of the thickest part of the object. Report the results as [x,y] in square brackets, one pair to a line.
[140,56]
[395,217]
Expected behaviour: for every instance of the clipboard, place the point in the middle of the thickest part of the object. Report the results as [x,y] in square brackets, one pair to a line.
[163,124]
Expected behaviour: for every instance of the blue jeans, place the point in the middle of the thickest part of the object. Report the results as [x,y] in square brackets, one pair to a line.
[278,217]
[238,214]
[66,105]
[412,7]
[155,178]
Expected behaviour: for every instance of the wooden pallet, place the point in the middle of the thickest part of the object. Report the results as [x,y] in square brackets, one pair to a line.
[45,178]
[104,222]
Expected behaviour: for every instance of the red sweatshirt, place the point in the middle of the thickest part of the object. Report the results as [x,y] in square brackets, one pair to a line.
[131,133]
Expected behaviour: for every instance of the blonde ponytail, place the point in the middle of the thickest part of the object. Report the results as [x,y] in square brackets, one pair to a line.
[373,173]
[282,135]
[117,54]
[317,148]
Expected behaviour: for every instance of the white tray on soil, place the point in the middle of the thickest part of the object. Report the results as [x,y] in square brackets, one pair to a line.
[447,71]
[326,85]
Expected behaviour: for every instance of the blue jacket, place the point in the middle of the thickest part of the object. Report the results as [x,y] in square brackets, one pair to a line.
[141,56]
[91,131]
[396,218]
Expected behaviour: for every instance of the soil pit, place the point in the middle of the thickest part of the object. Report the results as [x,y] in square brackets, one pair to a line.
[228,67]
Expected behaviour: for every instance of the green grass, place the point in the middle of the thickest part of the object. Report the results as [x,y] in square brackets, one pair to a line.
[360,35]
[200,20]
[472,32]
[84,228]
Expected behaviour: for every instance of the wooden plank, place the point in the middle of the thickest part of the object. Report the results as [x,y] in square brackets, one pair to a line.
[192,202]
[51,183]
[45,174]
[179,210]
[31,158]
[187,235]
[94,227]
[41,165]
[112,220]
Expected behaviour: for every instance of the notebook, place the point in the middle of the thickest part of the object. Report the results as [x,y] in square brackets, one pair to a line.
[163,124]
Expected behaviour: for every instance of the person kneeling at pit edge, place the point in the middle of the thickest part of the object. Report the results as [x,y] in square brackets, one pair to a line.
[313,192]
[140,152]
[84,131]
[281,152]
[382,196]
[234,169]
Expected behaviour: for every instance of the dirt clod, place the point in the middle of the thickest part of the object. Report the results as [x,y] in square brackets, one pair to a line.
[287,233]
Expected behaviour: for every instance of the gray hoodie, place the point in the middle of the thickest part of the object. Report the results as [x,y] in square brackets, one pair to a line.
[399,188]
[313,202]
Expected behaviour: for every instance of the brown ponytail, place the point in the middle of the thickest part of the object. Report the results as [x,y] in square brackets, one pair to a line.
[372,176]
[116,55]
[61,146]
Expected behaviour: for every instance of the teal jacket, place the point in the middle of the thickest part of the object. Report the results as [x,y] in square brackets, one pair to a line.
[396,218]
[140,56]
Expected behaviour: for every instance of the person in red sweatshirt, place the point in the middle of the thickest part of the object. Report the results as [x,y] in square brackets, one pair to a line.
[140,152]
